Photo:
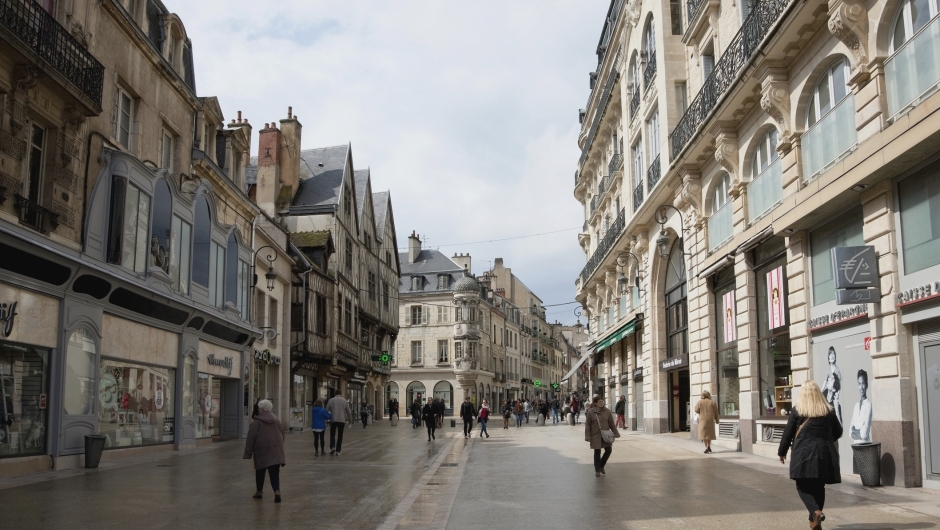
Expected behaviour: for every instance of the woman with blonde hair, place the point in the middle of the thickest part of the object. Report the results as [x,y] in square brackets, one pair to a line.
[707,411]
[812,431]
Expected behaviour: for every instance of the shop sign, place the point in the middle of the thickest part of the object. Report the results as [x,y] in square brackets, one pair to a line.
[267,357]
[674,362]
[855,267]
[297,418]
[637,374]
[359,377]
[168,426]
[227,362]
[838,316]
[159,400]
[624,379]
[919,293]
[42,401]
[612,381]
[7,314]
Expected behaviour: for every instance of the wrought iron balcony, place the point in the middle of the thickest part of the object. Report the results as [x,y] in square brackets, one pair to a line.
[692,8]
[635,101]
[600,110]
[653,174]
[593,204]
[638,196]
[613,233]
[737,55]
[34,215]
[604,185]
[650,72]
[40,32]
[616,163]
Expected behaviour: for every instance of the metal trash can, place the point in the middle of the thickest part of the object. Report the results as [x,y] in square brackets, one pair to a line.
[94,445]
[453,423]
[867,460]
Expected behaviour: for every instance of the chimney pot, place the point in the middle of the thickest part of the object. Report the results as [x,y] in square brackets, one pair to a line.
[290,112]
[239,116]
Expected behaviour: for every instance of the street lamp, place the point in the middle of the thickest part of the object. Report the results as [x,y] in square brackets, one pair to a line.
[270,276]
[622,279]
[579,326]
[662,241]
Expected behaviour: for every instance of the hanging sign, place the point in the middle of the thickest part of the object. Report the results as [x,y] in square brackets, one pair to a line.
[159,400]
[855,270]
[267,357]
[42,401]
[776,308]
[731,324]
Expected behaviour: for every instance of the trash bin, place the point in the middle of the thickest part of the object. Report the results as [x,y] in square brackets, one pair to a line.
[867,460]
[453,423]
[94,445]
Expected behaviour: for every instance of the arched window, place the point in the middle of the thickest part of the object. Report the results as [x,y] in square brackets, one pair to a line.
[649,44]
[765,188]
[202,239]
[720,224]
[160,226]
[830,120]
[677,315]
[231,269]
[391,392]
[635,82]
[914,65]
[130,213]
[444,391]
[81,356]
[415,392]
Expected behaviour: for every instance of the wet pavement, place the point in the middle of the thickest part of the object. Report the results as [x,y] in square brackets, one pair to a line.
[387,478]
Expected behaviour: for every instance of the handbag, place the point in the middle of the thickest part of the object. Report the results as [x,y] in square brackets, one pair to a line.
[607,435]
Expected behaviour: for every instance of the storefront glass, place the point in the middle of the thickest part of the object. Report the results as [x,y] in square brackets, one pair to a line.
[729,387]
[208,392]
[23,396]
[135,404]
[80,359]
[844,231]
[773,331]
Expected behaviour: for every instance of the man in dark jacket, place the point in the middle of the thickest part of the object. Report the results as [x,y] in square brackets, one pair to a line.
[555,406]
[467,413]
[427,414]
[621,409]
[415,414]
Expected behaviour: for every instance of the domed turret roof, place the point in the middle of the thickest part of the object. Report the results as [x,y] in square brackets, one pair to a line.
[467,284]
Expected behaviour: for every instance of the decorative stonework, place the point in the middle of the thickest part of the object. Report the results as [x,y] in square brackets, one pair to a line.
[775,100]
[66,214]
[633,11]
[11,184]
[68,137]
[12,145]
[726,152]
[66,179]
[25,77]
[848,22]
[688,199]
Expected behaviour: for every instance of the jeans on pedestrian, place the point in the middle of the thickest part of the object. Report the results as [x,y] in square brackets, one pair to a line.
[483,428]
[431,428]
[812,492]
[274,472]
[527,416]
[519,420]
[601,461]
[336,440]
[554,415]
[577,417]
[467,426]
[319,441]
[365,419]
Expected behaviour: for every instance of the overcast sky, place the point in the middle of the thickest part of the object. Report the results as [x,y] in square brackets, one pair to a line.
[465,111]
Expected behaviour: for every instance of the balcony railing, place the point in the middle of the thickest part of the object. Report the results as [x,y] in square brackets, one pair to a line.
[593,204]
[635,101]
[603,246]
[692,8]
[650,72]
[653,174]
[616,163]
[599,111]
[39,31]
[638,196]
[829,138]
[914,69]
[604,185]
[744,45]
[720,226]
[764,192]
[34,215]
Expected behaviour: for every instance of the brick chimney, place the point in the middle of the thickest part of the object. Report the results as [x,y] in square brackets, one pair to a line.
[463,260]
[268,184]
[290,160]
[414,247]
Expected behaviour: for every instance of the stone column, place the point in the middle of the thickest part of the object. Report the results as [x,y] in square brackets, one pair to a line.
[801,361]
[748,372]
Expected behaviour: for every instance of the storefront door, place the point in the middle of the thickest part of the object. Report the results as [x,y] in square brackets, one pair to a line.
[679,409]
[229,391]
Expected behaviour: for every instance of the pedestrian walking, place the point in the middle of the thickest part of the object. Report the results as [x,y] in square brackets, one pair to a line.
[519,411]
[507,413]
[439,416]
[392,409]
[482,417]
[597,420]
[543,410]
[555,406]
[812,431]
[467,413]
[427,414]
[318,426]
[364,413]
[415,414]
[526,406]
[265,445]
[576,410]
[621,409]
[340,414]
[707,411]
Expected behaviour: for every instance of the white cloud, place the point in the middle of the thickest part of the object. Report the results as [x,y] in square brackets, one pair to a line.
[466,111]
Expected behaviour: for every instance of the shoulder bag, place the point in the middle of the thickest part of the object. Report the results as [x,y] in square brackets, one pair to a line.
[607,435]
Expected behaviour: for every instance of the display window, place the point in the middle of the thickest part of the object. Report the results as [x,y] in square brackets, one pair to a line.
[208,392]
[773,331]
[24,375]
[135,404]
[726,349]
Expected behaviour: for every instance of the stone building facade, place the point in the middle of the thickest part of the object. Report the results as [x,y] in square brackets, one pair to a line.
[756,137]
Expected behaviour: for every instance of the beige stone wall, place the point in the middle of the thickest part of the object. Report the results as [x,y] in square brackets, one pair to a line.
[37,316]
[125,339]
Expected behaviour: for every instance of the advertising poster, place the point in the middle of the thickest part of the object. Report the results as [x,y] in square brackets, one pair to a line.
[731,320]
[297,418]
[842,368]
[775,297]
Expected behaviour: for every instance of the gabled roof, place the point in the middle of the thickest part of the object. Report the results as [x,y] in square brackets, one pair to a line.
[361,181]
[325,169]
[429,264]
[380,204]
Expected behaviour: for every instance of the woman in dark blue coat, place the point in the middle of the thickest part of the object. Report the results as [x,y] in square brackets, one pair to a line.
[812,431]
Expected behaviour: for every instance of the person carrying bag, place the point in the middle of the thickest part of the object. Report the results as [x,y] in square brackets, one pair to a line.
[600,431]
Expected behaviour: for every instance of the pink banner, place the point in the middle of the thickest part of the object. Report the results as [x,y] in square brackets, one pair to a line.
[775,296]
[731,320]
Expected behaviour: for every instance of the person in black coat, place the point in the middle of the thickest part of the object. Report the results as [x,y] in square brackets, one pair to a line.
[812,431]
[427,414]
[415,414]
[467,413]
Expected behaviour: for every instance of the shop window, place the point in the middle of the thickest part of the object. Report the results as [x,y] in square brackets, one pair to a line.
[445,392]
[773,331]
[415,392]
[443,353]
[135,404]
[677,315]
[189,386]
[161,226]
[416,357]
[202,239]
[830,120]
[919,199]
[208,390]
[181,237]
[913,69]
[130,213]
[321,314]
[24,372]
[217,276]
[35,168]
[845,231]
[726,349]
[80,360]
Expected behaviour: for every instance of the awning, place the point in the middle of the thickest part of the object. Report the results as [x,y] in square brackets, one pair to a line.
[578,364]
[624,330]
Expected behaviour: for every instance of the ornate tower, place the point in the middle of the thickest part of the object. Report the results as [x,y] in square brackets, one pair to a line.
[467,332]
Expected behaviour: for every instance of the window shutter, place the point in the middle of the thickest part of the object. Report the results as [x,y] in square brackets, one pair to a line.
[424,314]
[117,111]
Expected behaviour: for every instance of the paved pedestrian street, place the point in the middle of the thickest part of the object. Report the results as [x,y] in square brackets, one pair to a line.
[391,477]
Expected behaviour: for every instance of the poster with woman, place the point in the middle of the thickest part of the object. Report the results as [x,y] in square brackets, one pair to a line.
[775,296]
[731,324]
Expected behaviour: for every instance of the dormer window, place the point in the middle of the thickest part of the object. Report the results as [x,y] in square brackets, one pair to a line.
[443,281]
[416,283]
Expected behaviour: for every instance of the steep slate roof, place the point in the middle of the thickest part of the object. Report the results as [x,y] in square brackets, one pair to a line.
[251,173]
[361,181]
[323,184]
[380,204]
[317,238]
[429,264]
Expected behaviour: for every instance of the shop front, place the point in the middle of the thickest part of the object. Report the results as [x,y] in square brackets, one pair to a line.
[265,376]
[303,393]
[218,393]
[676,363]
[356,393]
